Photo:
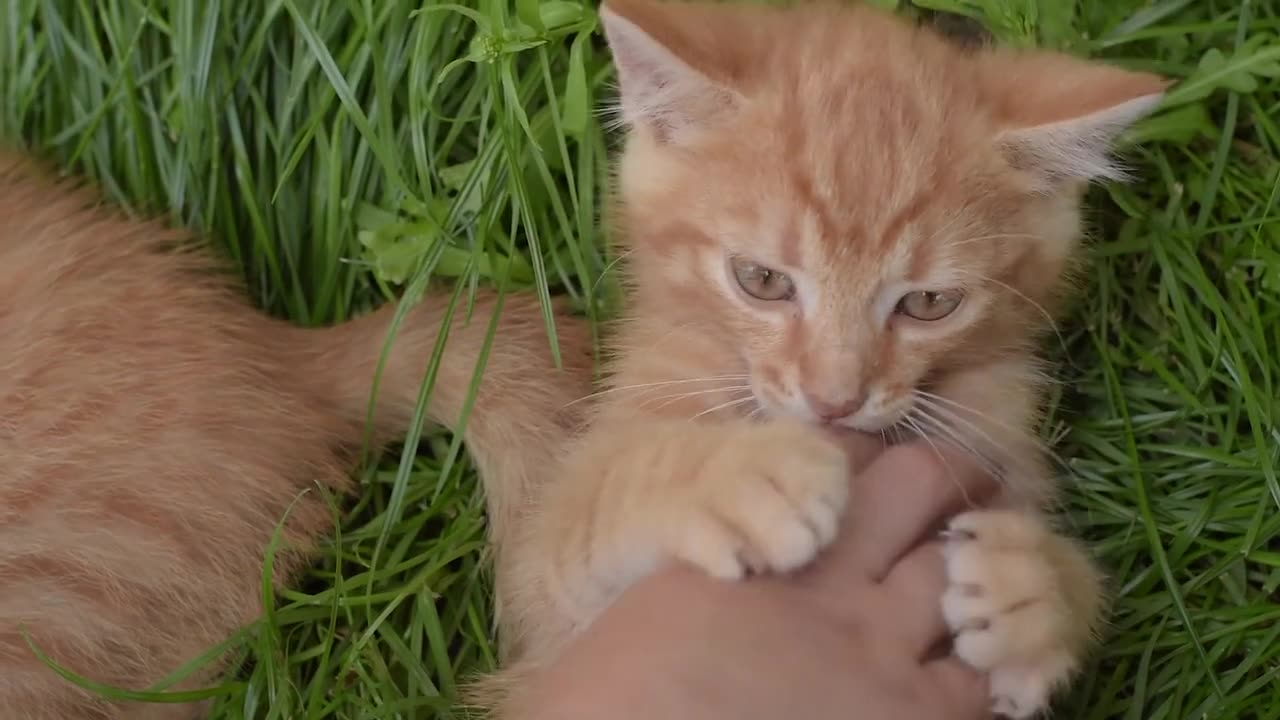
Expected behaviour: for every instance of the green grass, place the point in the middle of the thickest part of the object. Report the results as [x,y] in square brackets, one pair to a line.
[339,148]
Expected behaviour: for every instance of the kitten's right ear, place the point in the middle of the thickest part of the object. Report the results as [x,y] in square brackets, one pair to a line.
[660,91]
[1062,114]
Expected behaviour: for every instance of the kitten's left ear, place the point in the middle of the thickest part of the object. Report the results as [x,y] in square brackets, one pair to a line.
[1063,115]
[673,61]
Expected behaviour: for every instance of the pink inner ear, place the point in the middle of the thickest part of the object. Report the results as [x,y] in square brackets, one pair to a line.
[1027,89]
[1058,116]
[668,81]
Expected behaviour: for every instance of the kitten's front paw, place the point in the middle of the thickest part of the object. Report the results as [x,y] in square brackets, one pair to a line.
[770,499]
[1009,609]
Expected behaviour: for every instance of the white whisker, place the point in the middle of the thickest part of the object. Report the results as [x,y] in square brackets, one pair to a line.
[676,397]
[954,437]
[944,400]
[933,404]
[723,406]
[910,419]
[664,383]
[939,403]
[989,238]
[1053,323]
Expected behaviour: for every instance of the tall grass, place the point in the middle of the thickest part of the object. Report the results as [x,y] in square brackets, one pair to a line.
[339,149]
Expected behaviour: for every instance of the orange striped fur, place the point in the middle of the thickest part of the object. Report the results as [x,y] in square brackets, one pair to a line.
[155,428]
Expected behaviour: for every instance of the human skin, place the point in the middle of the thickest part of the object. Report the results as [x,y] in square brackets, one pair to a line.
[854,635]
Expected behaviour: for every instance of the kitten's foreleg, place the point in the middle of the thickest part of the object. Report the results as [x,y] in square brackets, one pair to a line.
[727,497]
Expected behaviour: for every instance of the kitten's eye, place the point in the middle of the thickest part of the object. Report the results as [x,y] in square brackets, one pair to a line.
[762,283]
[929,305]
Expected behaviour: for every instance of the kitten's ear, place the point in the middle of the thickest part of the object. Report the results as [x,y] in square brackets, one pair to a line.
[1063,115]
[661,90]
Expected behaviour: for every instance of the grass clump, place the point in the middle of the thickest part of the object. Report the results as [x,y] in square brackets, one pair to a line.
[338,150]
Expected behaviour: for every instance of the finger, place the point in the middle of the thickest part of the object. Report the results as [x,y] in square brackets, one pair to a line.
[860,447]
[913,592]
[961,693]
[900,496]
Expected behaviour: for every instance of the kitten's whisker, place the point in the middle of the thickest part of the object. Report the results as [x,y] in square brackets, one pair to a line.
[937,401]
[988,238]
[1043,311]
[943,422]
[676,397]
[956,439]
[933,404]
[956,405]
[704,391]
[723,406]
[1053,324]
[664,383]
[666,336]
[910,419]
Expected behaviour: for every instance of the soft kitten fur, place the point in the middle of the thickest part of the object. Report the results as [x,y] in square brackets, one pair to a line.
[864,158]
[155,428]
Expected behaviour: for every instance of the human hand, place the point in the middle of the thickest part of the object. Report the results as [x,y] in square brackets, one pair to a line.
[853,634]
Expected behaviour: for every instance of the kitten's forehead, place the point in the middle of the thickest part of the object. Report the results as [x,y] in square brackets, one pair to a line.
[847,218]
[857,158]
[834,198]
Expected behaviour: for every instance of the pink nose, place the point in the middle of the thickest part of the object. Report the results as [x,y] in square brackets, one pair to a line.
[833,410]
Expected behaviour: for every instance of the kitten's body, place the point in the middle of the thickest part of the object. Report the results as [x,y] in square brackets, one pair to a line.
[155,428]
[804,193]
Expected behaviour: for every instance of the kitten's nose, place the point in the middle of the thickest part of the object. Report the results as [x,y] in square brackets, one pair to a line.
[832,410]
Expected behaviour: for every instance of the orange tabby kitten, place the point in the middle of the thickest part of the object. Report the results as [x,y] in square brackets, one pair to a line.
[155,428]
[831,218]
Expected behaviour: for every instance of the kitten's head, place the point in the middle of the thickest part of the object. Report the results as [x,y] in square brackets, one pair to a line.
[853,206]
